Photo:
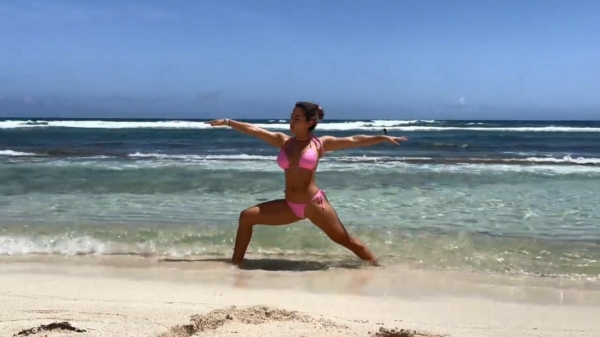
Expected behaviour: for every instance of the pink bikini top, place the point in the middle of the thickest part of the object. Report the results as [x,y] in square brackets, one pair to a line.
[308,160]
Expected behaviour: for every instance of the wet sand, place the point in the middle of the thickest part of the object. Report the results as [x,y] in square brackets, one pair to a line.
[132,296]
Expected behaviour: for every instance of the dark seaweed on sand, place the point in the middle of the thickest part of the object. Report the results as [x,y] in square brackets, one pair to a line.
[49,327]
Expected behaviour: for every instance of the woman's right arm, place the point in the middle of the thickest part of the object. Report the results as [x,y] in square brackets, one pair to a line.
[276,139]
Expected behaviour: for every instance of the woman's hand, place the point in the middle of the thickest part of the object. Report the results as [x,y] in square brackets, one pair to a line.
[218,122]
[395,140]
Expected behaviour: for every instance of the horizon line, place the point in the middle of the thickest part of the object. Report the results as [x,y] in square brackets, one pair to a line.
[259,119]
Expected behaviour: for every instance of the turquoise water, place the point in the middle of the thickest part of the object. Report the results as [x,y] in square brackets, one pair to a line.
[507,197]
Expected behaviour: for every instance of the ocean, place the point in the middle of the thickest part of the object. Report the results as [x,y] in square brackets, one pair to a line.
[508,197]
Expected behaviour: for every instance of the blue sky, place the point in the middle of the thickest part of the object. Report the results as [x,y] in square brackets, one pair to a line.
[361,59]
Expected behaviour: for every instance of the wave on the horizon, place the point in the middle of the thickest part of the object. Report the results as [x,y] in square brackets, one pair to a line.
[566,160]
[371,125]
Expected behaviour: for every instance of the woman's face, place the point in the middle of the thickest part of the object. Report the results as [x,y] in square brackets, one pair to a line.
[298,123]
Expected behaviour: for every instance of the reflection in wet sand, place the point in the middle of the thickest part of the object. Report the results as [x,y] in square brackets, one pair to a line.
[339,277]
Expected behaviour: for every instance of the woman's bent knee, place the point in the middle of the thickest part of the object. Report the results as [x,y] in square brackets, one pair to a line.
[247,217]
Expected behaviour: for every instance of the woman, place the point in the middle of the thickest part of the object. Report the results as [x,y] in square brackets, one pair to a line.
[299,157]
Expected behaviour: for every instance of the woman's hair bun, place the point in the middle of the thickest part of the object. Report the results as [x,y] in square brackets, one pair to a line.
[321,112]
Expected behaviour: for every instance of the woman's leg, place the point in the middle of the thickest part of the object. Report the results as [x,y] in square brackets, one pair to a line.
[272,213]
[324,216]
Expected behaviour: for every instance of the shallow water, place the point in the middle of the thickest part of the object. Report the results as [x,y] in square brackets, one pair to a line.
[507,197]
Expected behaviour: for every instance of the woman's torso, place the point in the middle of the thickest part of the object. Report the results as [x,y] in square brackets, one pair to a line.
[299,159]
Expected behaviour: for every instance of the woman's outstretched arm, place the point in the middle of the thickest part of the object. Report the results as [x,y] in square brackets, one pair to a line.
[331,143]
[276,139]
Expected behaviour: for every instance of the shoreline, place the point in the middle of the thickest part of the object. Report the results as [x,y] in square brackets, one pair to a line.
[124,296]
[342,277]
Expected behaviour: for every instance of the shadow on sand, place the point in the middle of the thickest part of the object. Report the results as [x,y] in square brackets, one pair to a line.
[279,264]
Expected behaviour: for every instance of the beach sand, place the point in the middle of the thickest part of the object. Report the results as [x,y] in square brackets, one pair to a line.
[133,296]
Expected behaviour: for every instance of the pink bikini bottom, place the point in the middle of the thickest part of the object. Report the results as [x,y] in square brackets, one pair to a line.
[298,209]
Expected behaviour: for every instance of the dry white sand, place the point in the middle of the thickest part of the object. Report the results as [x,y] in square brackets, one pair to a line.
[153,299]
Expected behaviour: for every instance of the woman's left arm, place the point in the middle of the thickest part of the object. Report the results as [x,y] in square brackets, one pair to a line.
[339,143]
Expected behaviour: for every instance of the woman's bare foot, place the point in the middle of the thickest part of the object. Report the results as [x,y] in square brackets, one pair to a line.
[374,263]
[235,263]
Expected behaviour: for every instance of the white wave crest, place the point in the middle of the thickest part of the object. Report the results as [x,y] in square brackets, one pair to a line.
[400,165]
[565,159]
[199,157]
[374,125]
[11,153]
[10,245]
[366,166]
[364,158]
